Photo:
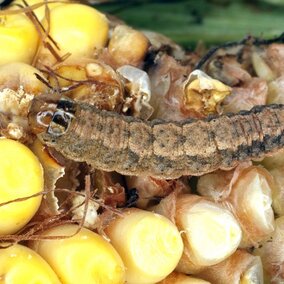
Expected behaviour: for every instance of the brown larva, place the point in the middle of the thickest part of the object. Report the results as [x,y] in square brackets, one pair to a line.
[130,146]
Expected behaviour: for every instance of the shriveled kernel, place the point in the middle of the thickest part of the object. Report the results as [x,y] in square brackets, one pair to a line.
[204,94]
[210,233]
[83,258]
[149,245]
[21,175]
[128,46]
[19,264]
[77,29]
[18,38]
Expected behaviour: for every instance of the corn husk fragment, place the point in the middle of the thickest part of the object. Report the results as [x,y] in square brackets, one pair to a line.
[272,254]
[276,91]
[275,58]
[239,268]
[252,93]
[138,87]
[203,94]
[160,42]
[167,77]
[52,172]
[109,187]
[228,70]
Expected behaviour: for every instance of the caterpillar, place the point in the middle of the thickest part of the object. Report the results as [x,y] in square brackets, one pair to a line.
[164,149]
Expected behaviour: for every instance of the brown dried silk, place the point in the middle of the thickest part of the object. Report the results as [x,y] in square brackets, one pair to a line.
[130,146]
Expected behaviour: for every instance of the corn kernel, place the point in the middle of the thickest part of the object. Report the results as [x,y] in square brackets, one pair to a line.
[21,175]
[77,29]
[251,197]
[19,39]
[83,258]
[261,68]
[128,46]
[18,75]
[203,94]
[211,233]
[149,245]
[19,264]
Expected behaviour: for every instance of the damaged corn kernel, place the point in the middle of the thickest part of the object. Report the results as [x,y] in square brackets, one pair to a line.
[149,245]
[18,38]
[204,94]
[82,258]
[21,175]
[19,264]
[90,81]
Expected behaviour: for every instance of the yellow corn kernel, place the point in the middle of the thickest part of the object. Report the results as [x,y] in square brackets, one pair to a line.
[18,38]
[77,29]
[21,175]
[149,245]
[128,46]
[18,75]
[19,264]
[83,258]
